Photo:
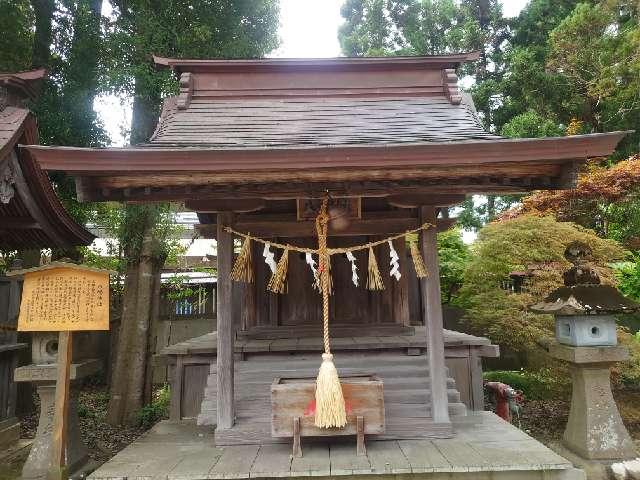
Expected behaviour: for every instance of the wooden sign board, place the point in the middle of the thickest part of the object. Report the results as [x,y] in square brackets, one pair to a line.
[308,208]
[64,297]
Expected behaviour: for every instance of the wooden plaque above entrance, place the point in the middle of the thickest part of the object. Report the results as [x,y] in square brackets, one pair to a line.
[308,208]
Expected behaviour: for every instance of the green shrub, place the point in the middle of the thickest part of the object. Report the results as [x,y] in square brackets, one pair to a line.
[83,410]
[535,245]
[157,409]
[537,385]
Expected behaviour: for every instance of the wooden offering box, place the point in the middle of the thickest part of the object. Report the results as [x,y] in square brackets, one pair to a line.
[293,409]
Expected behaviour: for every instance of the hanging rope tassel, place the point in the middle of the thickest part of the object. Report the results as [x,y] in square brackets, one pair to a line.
[418,262]
[374,281]
[330,409]
[243,267]
[278,281]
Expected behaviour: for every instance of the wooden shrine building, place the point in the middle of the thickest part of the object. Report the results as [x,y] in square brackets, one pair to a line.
[253,144]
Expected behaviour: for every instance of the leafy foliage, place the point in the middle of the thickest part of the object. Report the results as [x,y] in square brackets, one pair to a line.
[16,19]
[531,124]
[157,409]
[453,256]
[526,243]
[596,49]
[605,199]
[535,385]
[628,275]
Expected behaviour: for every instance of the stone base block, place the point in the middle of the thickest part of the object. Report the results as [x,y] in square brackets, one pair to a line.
[37,464]
[594,429]
[594,469]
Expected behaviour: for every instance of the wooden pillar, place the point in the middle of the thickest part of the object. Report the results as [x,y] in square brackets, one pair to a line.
[226,331]
[432,311]
[58,469]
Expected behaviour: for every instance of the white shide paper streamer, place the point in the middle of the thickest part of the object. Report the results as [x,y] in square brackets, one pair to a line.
[395,265]
[269,257]
[354,268]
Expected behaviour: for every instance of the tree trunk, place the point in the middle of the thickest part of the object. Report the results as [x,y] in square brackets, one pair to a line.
[491,208]
[128,381]
[85,52]
[131,381]
[153,332]
[144,115]
[43,12]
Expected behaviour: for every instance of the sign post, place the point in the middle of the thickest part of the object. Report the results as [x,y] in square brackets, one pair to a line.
[63,297]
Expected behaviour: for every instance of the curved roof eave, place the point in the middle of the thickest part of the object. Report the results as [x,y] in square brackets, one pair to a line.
[33,217]
[99,161]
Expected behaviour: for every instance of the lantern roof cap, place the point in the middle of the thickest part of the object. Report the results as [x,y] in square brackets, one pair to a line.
[582,293]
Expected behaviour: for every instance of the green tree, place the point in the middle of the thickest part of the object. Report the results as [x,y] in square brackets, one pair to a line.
[453,256]
[596,49]
[202,29]
[16,21]
[531,124]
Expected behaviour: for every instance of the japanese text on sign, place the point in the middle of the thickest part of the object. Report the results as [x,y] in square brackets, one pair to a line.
[64,299]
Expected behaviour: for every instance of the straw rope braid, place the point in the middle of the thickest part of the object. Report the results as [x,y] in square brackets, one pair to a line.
[418,262]
[330,407]
[243,267]
[330,251]
[322,221]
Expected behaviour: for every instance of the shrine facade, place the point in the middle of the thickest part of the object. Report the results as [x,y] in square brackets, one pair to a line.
[254,145]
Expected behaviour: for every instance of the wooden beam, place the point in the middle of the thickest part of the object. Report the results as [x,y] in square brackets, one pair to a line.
[432,312]
[225,328]
[304,177]
[290,229]
[237,205]
[288,191]
[568,178]
[414,201]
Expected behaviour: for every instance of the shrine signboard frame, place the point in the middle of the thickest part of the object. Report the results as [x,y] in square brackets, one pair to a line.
[63,297]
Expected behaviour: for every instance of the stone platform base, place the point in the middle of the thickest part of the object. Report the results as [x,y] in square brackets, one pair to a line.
[594,469]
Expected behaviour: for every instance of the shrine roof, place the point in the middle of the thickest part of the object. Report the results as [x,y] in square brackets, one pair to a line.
[279,127]
[281,124]
[31,215]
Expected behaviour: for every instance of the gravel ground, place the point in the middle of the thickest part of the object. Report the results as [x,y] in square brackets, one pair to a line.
[545,419]
[102,439]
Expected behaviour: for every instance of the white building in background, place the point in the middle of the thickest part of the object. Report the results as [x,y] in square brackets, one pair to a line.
[196,247]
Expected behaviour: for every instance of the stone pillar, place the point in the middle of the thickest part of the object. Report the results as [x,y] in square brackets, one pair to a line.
[594,430]
[39,460]
[44,377]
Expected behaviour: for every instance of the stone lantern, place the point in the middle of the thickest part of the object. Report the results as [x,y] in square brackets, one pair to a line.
[584,312]
[42,372]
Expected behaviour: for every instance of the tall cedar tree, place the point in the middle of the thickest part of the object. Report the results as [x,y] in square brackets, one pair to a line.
[64,37]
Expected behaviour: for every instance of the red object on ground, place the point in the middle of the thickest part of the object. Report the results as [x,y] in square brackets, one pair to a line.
[503,394]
